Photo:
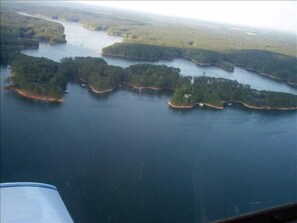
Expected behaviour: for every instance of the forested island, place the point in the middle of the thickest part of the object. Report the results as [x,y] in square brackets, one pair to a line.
[216,92]
[37,78]
[44,79]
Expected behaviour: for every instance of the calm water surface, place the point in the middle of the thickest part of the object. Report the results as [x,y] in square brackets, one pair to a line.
[127,157]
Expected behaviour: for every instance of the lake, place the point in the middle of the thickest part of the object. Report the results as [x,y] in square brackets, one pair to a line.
[127,157]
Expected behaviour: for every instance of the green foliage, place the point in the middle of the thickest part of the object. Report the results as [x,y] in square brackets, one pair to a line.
[277,65]
[158,76]
[137,51]
[102,76]
[21,32]
[94,71]
[216,91]
[38,75]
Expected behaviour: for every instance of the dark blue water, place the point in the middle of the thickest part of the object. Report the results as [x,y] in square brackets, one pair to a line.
[127,157]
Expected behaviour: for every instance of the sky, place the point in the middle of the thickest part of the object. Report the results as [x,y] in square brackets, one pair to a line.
[280,15]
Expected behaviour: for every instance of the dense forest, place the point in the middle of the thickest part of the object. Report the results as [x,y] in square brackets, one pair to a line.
[135,51]
[40,76]
[277,65]
[21,32]
[45,77]
[101,76]
[217,91]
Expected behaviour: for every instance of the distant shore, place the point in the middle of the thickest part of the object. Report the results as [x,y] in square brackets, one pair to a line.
[270,76]
[204,65]
[30,95]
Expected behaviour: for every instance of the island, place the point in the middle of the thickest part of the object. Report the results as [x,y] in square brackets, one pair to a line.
[46,80]
[37,78]
[217,92]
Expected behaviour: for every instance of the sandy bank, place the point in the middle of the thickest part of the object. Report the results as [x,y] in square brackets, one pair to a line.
[239,102]
[192,106]
[30,95]
[100,92]
[267,107]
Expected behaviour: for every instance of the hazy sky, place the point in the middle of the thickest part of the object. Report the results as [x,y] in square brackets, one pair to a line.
[270,14]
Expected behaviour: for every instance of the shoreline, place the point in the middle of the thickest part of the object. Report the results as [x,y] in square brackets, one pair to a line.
[140,88]
[133,58]
[267,107]
[30,95]
[231,70]
[269,76]
[149,87]
[194,105]
[263,108]
[100,92]
[124,83]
